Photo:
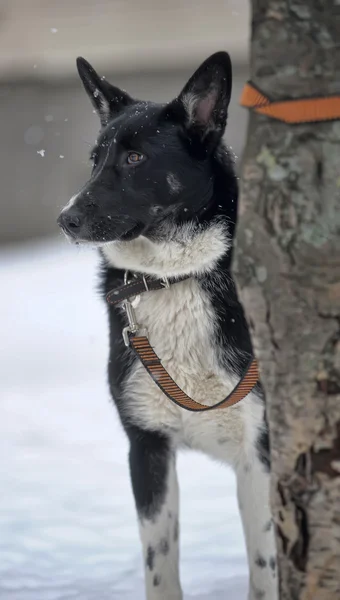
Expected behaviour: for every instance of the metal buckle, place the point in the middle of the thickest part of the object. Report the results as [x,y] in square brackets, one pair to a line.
[129,307]
[133,299]
[165,282]
[126,277]
[133,326]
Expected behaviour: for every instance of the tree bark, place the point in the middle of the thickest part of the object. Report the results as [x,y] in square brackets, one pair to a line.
[287,267]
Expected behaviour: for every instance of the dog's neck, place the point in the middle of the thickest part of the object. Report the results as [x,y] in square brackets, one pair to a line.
[185,250]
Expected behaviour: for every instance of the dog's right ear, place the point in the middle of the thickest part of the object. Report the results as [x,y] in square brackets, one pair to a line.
[106,98]
[202,105]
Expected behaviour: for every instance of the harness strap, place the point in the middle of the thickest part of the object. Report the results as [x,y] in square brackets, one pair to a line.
[152,363]
[301,110]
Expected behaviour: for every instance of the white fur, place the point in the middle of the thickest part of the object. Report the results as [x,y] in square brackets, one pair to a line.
[71,202]
[173,183]
[186,250]
[180,326]
[253,498]
[199,108]
[190,101]
[180,322]
[161,536]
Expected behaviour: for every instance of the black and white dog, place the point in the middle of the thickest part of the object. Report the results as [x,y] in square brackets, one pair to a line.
[162,201]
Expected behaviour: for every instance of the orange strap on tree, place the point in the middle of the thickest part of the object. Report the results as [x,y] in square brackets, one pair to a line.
[304,110]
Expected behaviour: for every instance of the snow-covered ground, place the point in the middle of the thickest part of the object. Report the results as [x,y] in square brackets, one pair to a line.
[67,522]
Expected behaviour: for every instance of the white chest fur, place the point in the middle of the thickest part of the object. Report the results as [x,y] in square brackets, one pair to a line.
[180,325]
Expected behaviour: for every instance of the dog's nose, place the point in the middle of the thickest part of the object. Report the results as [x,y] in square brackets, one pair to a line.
[69,221]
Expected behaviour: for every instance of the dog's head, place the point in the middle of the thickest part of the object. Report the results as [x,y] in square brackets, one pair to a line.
[152,163]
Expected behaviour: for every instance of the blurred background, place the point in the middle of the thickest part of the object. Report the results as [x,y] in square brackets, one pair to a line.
[67,522]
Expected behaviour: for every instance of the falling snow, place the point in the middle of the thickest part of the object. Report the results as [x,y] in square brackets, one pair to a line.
[41,152]
[53,30]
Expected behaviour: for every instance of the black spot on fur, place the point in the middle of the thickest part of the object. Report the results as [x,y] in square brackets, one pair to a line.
[150,558]
[268,526]
[260,561]
[164,547]
[149,463]
[176,530]
[262,445]
[272,563]
[156,580]
[259,594]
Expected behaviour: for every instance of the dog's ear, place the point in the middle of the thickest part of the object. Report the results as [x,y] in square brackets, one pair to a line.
[204,100]
[106,98]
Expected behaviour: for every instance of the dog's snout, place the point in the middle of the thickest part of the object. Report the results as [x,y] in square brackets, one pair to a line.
[69,221]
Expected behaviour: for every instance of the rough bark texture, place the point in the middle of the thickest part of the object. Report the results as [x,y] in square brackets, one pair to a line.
[287,266]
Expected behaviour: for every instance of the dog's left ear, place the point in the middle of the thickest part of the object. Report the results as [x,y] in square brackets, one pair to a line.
[206,96]
[106,98]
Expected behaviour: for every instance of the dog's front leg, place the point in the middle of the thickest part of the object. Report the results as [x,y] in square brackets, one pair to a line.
[253,496]
[155,487]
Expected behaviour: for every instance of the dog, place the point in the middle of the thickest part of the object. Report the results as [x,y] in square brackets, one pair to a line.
[161,206]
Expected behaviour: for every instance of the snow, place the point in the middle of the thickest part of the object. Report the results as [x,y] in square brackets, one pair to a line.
[67,522]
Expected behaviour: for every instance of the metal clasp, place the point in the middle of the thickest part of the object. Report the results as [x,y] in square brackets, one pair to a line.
[129,307]
[133,326]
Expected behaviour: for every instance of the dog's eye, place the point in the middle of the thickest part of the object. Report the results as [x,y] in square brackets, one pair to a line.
[134,157]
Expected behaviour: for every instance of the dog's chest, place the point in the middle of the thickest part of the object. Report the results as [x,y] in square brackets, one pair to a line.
[180,322]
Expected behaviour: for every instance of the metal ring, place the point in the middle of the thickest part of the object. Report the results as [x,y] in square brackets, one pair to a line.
[165,281]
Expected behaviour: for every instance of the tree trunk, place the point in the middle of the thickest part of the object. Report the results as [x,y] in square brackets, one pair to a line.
[287,267]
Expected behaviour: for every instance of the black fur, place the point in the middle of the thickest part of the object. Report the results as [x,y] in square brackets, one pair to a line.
[263,445]
[149,459]
[150,558]
[260,561]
